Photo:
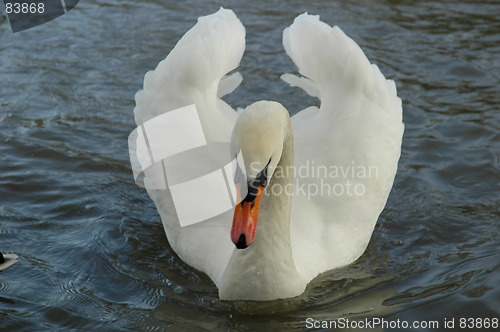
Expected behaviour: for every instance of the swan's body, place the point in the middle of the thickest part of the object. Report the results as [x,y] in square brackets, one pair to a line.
[357,130]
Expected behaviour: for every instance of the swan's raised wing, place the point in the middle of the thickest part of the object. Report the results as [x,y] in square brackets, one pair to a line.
[346,152]
[194,73]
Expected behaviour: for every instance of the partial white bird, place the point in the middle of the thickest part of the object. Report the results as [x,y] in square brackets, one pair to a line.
[318,180]
[7,260]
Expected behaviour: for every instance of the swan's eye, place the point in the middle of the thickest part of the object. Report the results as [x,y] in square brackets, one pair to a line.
[262,176]
[253,185]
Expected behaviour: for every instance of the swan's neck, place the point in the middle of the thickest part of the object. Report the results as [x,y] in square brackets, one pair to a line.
[266,269]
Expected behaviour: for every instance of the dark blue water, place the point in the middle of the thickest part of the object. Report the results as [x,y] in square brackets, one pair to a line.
[93,254]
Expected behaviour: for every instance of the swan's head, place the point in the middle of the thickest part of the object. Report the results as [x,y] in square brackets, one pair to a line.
[259,135]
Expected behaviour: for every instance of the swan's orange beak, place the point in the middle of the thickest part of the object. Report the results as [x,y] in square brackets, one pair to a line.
[245,219]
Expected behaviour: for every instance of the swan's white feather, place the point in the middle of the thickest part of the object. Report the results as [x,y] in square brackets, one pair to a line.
[359,123]
[194,73]
[302,82]
[228,84]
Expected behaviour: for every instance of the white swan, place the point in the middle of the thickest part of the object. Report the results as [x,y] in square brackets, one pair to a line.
[351,142]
